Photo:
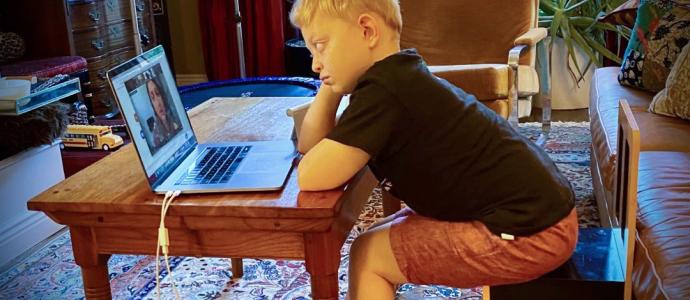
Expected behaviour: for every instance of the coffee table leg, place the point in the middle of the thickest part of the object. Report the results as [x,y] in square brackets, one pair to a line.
[391,204]
[322,258]
[94,266]
[237,268]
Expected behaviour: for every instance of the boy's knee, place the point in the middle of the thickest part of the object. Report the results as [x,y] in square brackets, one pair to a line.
[360,244]
[367,249]
[371,253]
[361,250]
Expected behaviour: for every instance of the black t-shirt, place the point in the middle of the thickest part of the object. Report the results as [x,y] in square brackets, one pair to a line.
[448,156]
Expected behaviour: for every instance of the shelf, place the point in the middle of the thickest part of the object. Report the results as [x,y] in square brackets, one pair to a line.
[15,107]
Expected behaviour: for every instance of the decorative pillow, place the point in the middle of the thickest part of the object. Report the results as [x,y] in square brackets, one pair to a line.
[661,31]
[11,46]
[674,100]
[624,14]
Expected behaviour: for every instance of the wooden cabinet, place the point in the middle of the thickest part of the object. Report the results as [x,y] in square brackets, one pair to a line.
[146,24]
[105,32]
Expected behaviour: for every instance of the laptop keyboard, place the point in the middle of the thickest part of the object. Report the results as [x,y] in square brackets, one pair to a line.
[217,166]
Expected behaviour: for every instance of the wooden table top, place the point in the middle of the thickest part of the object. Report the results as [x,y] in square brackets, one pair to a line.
[117,183]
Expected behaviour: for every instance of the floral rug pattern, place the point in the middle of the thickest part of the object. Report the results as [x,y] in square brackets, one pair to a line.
[50,273]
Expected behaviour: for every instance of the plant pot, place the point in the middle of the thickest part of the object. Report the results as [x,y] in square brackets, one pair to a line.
[566,94]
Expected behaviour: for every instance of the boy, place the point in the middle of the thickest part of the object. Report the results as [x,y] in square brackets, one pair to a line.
[486,206]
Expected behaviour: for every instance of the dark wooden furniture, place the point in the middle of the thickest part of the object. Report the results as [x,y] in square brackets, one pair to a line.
[162,29]
[110,208]
[593,272]
[105,32]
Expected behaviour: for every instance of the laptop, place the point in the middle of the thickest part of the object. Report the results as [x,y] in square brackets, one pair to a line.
[167,147]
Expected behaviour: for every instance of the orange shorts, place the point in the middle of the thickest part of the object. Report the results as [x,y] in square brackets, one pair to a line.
[467,254]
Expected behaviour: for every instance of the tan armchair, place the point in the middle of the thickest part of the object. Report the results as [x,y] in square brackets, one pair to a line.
[478,45]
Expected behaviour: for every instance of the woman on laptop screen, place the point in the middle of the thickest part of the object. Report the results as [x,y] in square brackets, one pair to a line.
[164,124]
[153,108]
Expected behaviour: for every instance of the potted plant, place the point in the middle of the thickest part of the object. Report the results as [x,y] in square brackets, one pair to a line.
[578,45]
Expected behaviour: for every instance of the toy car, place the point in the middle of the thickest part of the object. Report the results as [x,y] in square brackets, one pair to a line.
[90,136]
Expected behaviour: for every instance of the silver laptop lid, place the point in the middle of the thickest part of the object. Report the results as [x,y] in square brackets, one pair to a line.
[157,122]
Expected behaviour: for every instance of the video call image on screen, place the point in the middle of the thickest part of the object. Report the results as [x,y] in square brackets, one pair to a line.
[153,107]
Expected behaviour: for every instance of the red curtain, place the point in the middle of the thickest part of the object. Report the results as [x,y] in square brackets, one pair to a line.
[263,30]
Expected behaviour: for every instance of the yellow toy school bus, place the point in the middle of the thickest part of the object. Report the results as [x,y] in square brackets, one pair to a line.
[90,136]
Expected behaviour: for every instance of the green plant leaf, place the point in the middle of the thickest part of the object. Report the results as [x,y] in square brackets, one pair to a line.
[592,24]
[624,31]
[556,22]
[577,23]
[574,7]
[565,32]
[601,49]
[583,22]
[547,6]
[582,43]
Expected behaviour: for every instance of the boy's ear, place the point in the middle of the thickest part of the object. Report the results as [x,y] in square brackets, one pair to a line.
[369,28]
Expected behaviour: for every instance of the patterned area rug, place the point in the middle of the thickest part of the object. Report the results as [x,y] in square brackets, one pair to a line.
[51,273]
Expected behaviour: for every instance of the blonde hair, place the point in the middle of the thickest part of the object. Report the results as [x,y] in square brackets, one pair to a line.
[304,11]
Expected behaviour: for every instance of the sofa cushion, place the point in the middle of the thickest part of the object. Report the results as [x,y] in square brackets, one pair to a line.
[657,133]
[674,100]
[659,34]
[661,267]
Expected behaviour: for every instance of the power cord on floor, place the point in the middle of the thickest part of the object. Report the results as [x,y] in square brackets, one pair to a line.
[163,243]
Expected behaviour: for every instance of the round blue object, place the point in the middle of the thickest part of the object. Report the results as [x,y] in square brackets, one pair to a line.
[193,95]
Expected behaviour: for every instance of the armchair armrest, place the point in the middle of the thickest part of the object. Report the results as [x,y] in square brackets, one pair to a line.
[513,62]
[531,37]
[526,41]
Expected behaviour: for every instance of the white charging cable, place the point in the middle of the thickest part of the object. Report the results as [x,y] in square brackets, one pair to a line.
[163,243]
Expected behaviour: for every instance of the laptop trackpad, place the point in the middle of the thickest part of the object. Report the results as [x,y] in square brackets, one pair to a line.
[264,163]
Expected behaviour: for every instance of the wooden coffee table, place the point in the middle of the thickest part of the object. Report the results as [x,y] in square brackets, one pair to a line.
[110,208]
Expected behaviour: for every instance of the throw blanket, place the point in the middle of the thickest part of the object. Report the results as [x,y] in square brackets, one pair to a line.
[37,127]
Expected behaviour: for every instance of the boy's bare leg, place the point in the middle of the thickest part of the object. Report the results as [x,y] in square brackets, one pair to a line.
[373,272]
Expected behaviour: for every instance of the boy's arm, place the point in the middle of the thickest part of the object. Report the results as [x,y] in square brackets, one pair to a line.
[329,164]
[319,120]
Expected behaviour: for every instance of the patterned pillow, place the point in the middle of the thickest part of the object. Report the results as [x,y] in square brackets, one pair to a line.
[674,100]
[624,14]
[11,46]
[661,31]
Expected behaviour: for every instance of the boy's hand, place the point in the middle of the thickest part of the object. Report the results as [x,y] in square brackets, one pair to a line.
[328,94]
[320,118]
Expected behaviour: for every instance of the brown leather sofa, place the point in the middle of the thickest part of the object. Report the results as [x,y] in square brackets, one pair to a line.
[661,267]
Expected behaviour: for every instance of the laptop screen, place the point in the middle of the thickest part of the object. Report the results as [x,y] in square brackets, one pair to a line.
[158,124]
